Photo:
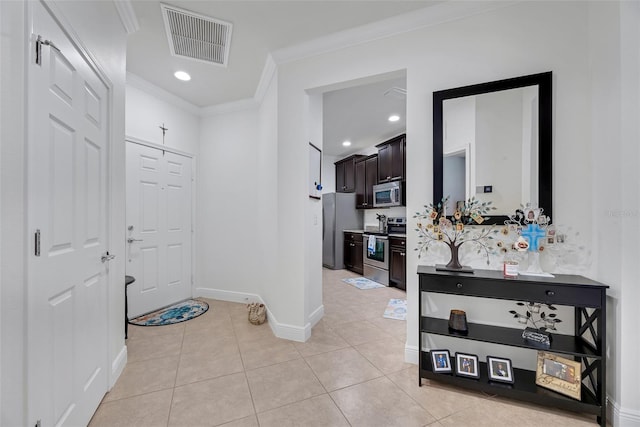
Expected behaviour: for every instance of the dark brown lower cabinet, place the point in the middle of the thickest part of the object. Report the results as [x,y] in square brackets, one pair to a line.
[353,252]
[397,263]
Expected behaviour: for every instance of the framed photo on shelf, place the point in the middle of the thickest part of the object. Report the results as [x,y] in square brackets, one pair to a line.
[559,374]
[441,361]
[467,365]
[500,369]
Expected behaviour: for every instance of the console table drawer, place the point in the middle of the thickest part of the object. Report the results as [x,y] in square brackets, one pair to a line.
[509,289]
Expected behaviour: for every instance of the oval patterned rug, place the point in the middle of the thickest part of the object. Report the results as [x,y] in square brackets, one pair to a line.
[176,313]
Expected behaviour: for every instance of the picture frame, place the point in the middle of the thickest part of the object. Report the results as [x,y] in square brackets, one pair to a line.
[467,365]
[559,374]
[441,361]
[500,369]
[315,171]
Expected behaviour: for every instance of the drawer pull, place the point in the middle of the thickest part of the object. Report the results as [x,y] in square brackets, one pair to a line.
[550,293]
[459,285]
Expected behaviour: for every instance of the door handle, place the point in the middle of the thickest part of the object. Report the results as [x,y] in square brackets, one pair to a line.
[106,257]
[131,240]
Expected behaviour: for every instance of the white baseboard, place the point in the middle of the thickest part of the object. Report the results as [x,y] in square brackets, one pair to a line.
[231,296]
[117,366]
[620,417]
[316,316]
[280,330]
[411,354]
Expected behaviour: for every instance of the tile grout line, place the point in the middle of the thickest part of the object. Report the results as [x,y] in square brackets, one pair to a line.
[175,379]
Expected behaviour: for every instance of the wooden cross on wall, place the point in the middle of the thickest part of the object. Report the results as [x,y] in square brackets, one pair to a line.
[164,131]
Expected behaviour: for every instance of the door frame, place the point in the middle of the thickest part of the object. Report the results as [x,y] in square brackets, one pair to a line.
[115,359]
[134,140]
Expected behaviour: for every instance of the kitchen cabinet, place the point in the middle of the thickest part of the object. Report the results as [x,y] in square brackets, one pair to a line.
[346,174]
[366,178]
[398,262]
[353,246]
[587,344]
[391,159]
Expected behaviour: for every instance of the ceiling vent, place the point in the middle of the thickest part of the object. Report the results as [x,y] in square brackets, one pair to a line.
[196,36]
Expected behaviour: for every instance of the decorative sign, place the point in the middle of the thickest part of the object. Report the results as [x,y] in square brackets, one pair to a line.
[537,337]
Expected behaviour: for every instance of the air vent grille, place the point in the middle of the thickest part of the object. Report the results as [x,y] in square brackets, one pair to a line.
[196,36]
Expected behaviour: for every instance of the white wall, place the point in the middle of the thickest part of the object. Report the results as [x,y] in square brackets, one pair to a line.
[615,112]
[99,28]
[230,232]
[329,173]
[503,43]
[147,111]
[314,309]
[13,47]
[267,206]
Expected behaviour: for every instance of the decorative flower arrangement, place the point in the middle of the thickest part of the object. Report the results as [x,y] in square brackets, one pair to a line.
[435,227]
[535,317]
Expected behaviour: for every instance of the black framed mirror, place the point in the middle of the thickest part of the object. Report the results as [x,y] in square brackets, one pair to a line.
[493,141]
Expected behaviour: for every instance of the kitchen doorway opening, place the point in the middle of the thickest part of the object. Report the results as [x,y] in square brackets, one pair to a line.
[349,119]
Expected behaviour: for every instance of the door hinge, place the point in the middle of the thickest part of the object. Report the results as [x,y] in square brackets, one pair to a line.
[39,43]
[37,243]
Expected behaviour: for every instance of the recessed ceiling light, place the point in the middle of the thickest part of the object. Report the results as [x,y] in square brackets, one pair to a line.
[181,75]
[346,143]
[394,118]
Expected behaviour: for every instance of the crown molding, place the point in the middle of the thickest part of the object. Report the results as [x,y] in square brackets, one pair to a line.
[407,22]
[138,82]
[230,107]
[127,15]
[268,72]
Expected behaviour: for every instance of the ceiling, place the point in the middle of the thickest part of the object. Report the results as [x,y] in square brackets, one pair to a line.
[259,28]
[358,113]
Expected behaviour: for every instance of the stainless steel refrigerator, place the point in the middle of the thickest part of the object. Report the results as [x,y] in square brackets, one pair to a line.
[338,213]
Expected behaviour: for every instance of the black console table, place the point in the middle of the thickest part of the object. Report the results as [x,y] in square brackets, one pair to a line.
[587,345]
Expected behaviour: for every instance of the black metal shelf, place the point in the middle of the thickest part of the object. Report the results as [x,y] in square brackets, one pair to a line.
[563,344]
[524,387]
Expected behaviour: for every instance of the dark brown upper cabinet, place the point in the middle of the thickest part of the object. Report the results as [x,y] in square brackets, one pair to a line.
[366,178]
[346,174]
[391,159]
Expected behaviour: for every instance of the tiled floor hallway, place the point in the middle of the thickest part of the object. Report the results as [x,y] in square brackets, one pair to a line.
[218,369]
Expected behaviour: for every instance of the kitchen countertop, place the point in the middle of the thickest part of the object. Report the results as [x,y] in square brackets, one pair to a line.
[388,234]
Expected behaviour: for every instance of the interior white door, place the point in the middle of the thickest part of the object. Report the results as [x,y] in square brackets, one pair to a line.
[159,228]
[67,193]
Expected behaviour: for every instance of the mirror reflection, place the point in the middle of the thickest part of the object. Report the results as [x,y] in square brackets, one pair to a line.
[492,141]
[490,148]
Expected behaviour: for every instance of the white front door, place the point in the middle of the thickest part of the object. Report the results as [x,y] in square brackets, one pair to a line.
[158,228]
[67,192]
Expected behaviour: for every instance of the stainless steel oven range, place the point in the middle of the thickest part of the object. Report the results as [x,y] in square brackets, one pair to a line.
[375,255]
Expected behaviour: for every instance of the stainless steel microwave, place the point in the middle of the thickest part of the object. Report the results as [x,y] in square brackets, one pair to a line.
[387,194]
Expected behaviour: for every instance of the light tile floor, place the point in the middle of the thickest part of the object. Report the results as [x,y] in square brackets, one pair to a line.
[218,369]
